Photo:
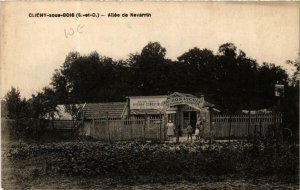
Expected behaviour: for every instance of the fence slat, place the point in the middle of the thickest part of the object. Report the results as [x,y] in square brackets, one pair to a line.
[126,129]
[240,124]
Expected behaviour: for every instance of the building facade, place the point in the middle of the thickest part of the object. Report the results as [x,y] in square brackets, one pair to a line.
[146,112]
[179,108]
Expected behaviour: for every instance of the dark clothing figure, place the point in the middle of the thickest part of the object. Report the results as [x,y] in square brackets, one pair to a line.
[189,131]
[201,130]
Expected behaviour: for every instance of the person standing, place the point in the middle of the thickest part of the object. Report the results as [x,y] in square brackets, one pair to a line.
[170,130]
[212,132]
[197,133]
[189,131]
[201,130]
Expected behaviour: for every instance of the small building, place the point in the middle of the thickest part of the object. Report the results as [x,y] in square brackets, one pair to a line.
[108,110]
[180,108]
[146,113]
[111,111]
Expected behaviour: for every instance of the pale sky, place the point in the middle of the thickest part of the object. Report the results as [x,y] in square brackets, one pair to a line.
[31,48]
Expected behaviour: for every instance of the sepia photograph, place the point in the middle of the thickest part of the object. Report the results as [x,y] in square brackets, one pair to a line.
[149,95]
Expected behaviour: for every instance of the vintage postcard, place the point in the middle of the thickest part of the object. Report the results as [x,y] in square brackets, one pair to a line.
[149,95]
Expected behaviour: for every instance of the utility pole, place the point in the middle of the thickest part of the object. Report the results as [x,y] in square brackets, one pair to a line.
[279,92]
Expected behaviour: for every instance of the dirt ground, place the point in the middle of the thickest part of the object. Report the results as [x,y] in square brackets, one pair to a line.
[28,174]
[60,182]
[24,175]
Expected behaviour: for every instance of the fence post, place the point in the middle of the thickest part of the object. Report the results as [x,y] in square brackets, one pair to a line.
[144,127]
[255,126]
[92,128]
[165,120]
[160,126]
[249,122]
[260,126]
[107,120]
[120,124]
[229,120]
[131,124]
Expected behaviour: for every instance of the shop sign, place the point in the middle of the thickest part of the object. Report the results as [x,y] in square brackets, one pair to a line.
[279,90]
[195,102]
[147,103]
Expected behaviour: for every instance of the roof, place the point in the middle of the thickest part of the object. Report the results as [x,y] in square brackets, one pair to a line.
[182,95]
[154,96]
[261,111]
[100,110]
[207,104]
[145,112]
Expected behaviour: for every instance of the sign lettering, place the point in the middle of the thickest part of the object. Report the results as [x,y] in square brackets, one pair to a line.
[184,100]
[149,103]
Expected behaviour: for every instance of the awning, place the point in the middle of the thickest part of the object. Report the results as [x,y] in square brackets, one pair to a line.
[216,110]
[145,112]
[171,111]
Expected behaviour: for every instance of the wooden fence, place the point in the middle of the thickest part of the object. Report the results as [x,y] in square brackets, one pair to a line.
[126,129]
[221,126]
[244,125]
[61,125]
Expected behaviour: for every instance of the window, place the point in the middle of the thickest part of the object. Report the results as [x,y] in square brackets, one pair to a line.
[171,116]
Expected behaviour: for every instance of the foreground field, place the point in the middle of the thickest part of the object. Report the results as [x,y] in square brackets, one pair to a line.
[135,165]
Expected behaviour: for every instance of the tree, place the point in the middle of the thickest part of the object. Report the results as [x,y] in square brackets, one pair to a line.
[237,79]
[43,104]
[200,66]
[290,103]
[229,79]
[268,76]
[150,70]
[228,50]
[153,50]
[296,75]
[75,110]
[85,79]
[16,106]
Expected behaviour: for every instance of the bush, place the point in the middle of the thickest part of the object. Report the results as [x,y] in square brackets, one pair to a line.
[28,128]
[137,158]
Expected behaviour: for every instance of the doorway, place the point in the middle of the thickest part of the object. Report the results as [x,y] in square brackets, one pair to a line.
[193,119]
[190,117]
